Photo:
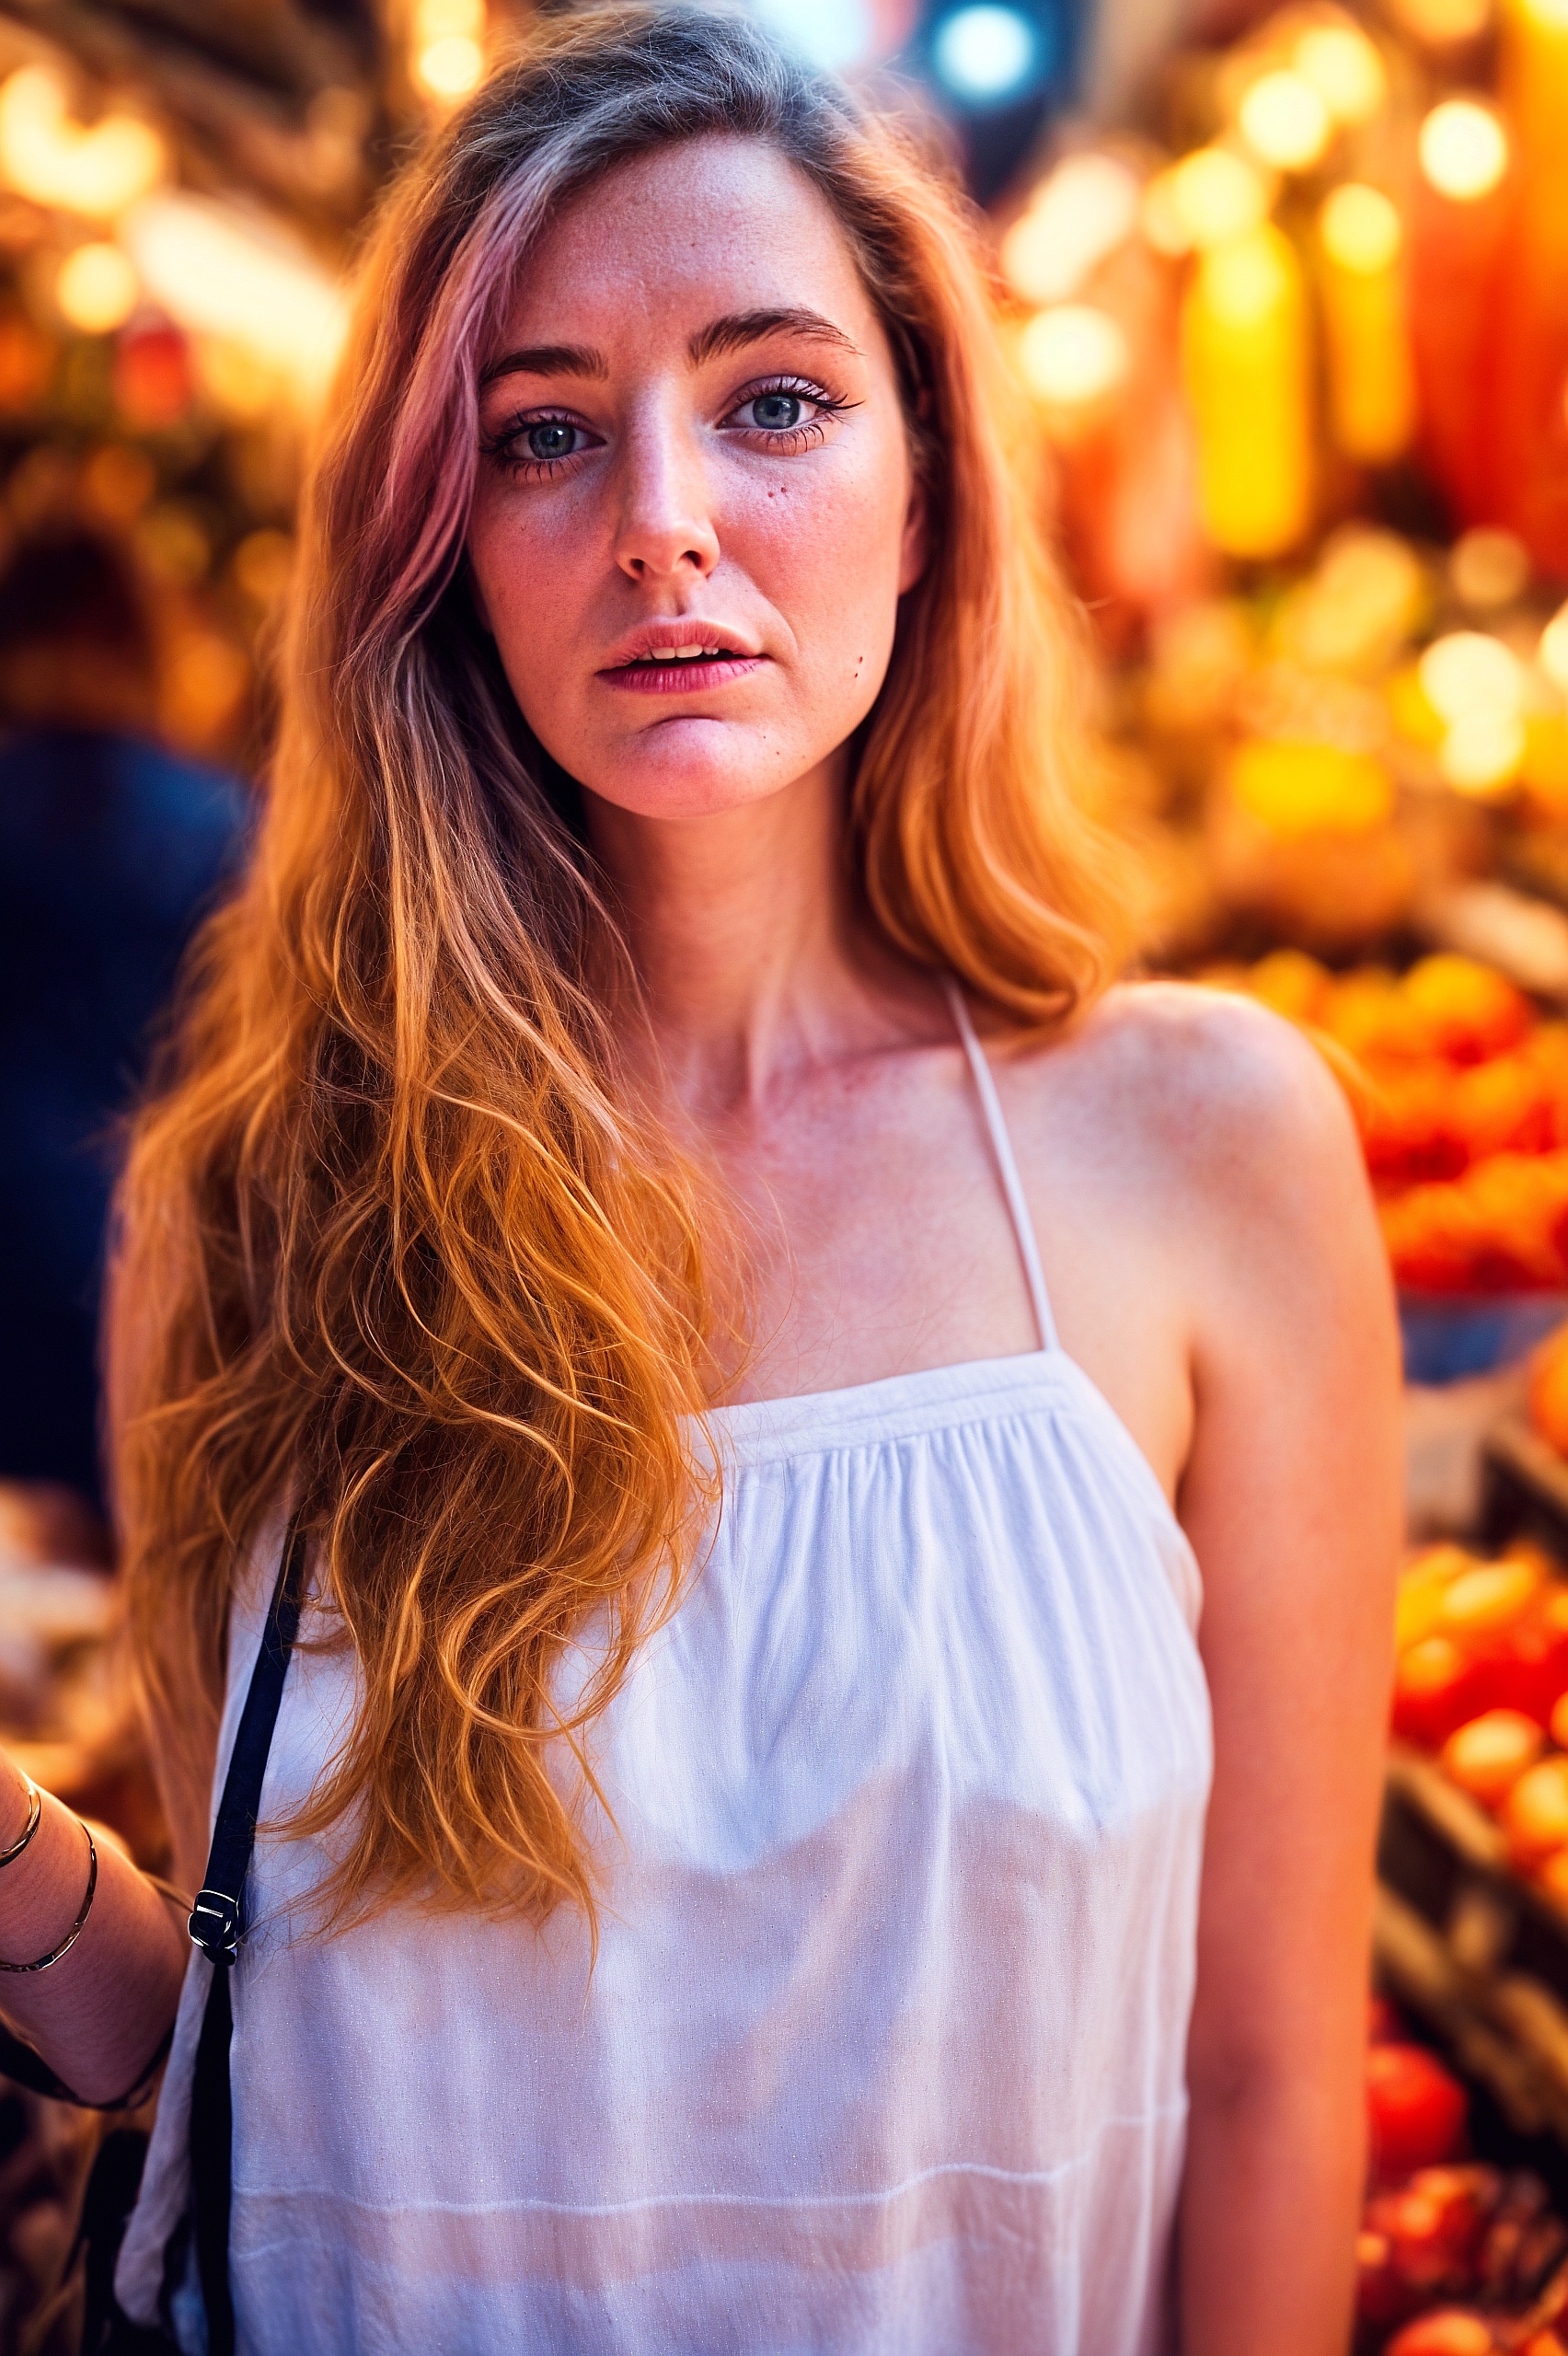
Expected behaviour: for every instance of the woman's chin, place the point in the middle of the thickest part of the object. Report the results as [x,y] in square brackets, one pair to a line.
[695,768]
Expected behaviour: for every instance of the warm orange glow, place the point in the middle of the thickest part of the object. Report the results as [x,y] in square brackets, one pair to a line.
[1077,217]
[217,274]
[1476,685]
[1286,120]
[97,288]
[1345,69]
[448,47]
[1295,788]
[1208,198]
[1371,377]
[1489,569]
[47,156]
[1247,363]
[1360,229]
[451,68]
[1552,652]
[1468,674]
[1463,150]
[1073,355]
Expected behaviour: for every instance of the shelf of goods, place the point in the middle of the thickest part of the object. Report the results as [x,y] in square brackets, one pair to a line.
[1471,1931]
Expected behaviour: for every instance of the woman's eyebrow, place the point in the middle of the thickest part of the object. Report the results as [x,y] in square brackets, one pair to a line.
[738,328]
[731,333]
[546,360]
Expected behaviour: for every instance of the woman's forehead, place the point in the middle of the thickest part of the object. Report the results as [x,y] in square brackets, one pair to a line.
[684,235]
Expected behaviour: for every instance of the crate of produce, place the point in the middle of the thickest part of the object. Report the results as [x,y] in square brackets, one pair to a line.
[1461,2252]
[1472,1909]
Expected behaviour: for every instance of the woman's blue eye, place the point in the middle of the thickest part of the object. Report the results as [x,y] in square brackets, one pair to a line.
[777,412]
[551,438]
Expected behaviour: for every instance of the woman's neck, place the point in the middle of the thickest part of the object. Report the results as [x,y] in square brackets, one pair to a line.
[743,931]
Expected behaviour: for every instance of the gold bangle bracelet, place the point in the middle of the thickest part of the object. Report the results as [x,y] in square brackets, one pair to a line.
[34,1809]
[74,1933]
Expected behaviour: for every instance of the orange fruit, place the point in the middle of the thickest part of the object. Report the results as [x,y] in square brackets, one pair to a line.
[1422,1585]
[1535,1814]
[1433,1690]
[1447,2331]
[1466,1009]
[1487,1756]
[1292,983]
[1484,1601]
[1502,1106]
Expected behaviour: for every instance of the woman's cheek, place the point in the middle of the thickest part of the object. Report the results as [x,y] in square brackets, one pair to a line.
[827,552]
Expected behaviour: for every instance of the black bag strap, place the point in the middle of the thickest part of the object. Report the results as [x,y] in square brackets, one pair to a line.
[217,1926]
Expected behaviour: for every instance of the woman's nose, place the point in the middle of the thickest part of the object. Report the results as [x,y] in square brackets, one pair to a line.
[666,528]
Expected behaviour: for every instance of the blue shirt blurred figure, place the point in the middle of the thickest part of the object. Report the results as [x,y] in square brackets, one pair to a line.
[111,848]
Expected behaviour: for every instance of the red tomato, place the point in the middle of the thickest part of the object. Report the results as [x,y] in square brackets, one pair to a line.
[1526,1667]
[1448,2331]
[1415,2109]
[1435,1692]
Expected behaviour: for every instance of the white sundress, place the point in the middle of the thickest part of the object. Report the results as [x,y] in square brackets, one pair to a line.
[884,2050]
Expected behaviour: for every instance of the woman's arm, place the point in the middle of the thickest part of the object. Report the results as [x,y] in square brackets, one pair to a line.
[98,2015]
[1292,1498]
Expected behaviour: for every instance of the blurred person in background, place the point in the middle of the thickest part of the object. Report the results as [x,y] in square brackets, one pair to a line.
[661,1242]
[111,846]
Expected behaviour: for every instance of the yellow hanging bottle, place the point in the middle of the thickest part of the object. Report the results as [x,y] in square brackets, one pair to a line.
[1366,332]
[1247,360]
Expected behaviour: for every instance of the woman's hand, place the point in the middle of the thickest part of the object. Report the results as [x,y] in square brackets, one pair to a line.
[98,2015]
[1293,1500]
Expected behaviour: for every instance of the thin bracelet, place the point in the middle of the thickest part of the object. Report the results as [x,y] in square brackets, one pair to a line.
[74,1933]
[34,1809]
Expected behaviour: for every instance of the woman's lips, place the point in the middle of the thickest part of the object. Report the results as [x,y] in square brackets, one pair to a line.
[691,678]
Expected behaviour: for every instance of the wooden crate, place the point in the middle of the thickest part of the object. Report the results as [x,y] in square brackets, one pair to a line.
[1524,1487]
[1479,1958]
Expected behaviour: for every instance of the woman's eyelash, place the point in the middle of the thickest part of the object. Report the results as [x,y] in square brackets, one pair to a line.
[498,445]
[796,388]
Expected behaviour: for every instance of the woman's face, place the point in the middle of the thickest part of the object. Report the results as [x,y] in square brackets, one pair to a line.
[696,513]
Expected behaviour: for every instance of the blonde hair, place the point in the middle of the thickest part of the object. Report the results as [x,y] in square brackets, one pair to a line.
[395,1245]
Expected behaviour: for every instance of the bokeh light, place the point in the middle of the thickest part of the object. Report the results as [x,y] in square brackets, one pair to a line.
[1467,673]
[1073,355]
[1552,652]
[1463,150]
[97,288]
[1344,68]
[1208,198]
[1284,120]
[58,162]
[448,48]
[985,55]
[1081,213]
[1360,228]
[217,273]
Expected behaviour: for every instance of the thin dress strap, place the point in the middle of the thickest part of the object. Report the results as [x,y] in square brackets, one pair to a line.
[1007,1165]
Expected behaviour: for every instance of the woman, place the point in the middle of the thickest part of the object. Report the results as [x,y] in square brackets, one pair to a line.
[751,1337]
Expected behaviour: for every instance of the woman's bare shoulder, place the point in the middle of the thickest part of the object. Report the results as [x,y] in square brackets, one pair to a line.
[1223,1106]
[1212,1063]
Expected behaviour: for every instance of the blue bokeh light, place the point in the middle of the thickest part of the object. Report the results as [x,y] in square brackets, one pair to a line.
[987,54]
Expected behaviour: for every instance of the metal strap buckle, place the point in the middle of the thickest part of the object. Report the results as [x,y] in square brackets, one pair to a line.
[214,1925]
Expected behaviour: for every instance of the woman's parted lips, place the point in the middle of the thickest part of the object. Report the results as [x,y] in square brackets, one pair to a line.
[685,652]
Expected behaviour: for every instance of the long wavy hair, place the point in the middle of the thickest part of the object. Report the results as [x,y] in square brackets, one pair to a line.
[396,1247]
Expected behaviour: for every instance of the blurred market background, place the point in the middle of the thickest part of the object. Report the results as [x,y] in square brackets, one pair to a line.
[1287,289]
